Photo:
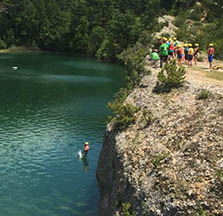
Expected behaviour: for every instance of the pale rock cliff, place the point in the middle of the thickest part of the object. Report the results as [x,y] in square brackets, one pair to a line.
[168,164]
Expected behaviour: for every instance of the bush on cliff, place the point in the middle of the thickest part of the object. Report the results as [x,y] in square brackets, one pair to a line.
[170,77]
[126,211]
[124,115]
[134,60]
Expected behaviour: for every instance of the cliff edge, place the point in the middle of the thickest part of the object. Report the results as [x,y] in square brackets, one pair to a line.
[170,162]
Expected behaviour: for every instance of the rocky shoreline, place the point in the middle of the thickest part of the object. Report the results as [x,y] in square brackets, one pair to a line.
[170,162]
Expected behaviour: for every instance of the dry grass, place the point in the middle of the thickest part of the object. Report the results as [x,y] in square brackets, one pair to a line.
[14,49]
[215,75]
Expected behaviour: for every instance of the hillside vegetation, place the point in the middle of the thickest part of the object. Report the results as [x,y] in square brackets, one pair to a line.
[104,28]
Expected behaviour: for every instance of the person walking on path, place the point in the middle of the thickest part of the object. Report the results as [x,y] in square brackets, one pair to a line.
[164,52]
[190,55]
[211,54]
[186,48]
[179,54]
[171,49]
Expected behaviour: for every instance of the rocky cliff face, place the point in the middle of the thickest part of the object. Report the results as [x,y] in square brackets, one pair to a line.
[170,163]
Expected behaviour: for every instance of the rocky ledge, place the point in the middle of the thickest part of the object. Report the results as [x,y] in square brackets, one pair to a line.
[170,163]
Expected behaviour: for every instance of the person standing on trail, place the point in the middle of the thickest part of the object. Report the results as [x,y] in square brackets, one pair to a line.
[196,51]
[171,49]
[163,52]
[211,54]
[179,54]
[175,43]
[190,55]
[186,48]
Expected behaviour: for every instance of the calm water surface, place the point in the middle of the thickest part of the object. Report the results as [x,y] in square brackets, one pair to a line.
[49,107]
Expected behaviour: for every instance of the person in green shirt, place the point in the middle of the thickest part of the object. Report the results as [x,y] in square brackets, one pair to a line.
[164,53]
[154,57]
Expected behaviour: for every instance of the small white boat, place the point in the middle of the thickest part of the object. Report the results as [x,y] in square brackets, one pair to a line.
[15,68]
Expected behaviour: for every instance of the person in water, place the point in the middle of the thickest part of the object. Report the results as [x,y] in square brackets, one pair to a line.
[86,149]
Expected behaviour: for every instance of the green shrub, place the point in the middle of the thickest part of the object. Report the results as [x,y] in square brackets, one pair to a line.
[125,210]
[219,178]
[2,45]
[146,119]
[124,115]
[134,60]
[170,77]
[204,94]
[159,159]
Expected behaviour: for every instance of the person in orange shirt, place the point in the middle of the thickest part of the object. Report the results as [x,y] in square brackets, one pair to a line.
[179,54]
[86,149]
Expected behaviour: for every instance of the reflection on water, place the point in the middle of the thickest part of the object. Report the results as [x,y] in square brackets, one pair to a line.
[49,107]
[85,164]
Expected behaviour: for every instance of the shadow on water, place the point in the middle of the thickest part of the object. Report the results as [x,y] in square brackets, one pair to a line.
[85,164]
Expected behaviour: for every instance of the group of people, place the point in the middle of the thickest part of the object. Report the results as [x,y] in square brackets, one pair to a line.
[183,52]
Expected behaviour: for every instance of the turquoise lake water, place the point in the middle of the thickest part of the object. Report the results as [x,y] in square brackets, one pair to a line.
[49,107]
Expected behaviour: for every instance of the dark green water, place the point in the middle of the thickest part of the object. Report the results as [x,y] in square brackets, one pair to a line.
[49,107]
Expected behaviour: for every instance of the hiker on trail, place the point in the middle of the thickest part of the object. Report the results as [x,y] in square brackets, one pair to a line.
[211,54]
[196,51]
[179,51]
[163,52]
[190,55]
[175,43]
[171,49]
[154,58]
[159,42]
[186,48]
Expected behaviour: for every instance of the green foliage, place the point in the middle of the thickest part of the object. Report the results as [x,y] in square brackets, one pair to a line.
[159,159]
[134,60]
[2,45]
[170,77]
[219,178]
[204,94]
[200,212]
[106,28]
[124,115]
[106,51]
[126,210]
[97,27]
[147,117]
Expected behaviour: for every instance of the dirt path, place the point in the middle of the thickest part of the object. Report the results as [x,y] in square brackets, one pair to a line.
[202,76]
[201,73]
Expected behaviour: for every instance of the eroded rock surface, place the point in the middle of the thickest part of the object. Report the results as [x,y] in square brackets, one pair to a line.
[171,164]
